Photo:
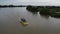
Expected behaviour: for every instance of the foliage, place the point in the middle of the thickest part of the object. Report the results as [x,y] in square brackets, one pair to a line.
[45,10]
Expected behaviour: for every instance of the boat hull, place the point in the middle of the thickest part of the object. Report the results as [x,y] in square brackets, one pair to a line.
[24,23]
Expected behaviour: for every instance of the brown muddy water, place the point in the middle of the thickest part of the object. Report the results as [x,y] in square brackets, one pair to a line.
[10,22]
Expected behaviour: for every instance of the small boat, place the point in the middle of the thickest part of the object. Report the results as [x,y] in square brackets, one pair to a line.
[24,22]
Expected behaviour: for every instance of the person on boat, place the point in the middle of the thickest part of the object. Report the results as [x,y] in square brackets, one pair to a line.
[23,19]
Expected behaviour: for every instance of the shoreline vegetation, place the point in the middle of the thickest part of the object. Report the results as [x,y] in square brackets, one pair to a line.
[2,6]
[53,11]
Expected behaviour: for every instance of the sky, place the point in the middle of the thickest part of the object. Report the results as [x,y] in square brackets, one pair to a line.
[30,2]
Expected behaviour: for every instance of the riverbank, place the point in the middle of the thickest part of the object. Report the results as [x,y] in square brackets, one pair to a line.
[53,11]
[2,6]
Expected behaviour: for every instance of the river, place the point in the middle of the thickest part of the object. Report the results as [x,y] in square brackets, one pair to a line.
[10,22]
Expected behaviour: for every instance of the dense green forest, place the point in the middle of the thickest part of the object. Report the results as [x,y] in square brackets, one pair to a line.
[53,11]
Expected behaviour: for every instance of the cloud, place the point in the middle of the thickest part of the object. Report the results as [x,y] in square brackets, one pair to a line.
[31,2]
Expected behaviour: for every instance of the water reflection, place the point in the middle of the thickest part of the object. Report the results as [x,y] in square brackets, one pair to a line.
[44,15]
[35,13]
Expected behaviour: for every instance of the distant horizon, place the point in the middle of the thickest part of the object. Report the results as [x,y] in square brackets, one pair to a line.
[37,5]
[34,5]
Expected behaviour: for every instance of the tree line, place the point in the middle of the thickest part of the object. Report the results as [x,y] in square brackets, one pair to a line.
[12,6]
